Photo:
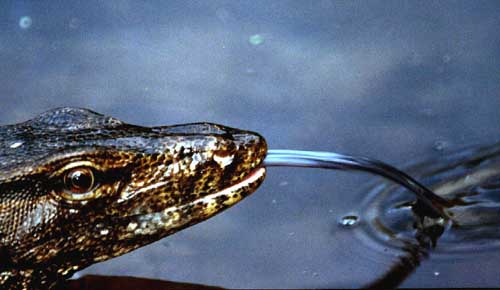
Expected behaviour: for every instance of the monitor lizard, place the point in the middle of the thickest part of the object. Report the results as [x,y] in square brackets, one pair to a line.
[78,187]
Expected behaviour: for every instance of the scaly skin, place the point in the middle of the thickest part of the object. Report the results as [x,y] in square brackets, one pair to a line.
[147,183]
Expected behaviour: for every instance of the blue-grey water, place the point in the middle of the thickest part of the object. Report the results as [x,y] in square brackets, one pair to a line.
[399,81]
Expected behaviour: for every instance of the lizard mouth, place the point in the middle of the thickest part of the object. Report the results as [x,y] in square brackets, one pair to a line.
[175,218]
[234,193]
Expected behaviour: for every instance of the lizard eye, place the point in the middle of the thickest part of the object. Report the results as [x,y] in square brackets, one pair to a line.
[79,180]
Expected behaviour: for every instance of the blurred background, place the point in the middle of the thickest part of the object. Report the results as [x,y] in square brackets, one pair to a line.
[400,81]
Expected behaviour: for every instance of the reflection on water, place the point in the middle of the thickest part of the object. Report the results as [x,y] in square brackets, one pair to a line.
[469,178]
[349,221]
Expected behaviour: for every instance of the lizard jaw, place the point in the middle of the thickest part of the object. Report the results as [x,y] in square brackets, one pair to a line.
[175,218]
[232,194]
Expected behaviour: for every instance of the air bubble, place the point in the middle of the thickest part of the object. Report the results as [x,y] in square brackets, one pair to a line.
[25,22]
[349,221]
[74,23]
[283,183]
[256,39]
[250,71]
[440,145]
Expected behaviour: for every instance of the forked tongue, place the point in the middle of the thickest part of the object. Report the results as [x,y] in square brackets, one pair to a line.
[433,203]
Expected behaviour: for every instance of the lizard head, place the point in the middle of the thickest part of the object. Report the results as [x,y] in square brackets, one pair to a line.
[78,187]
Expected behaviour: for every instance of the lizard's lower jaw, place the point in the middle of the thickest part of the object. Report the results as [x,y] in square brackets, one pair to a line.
[215,202]
[175,218]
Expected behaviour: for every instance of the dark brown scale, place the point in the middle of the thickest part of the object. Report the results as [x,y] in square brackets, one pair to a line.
[146,186]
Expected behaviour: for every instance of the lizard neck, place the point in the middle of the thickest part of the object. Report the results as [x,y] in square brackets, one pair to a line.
[28,279]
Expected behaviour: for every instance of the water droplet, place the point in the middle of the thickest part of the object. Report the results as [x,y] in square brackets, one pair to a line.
[349,221]
[315,274]
[283,183]
[104,232]
[250,71]
[428,112]
[291,233]
[470,179]
[74,23]
[25,22]
[440,145]
[436,273]
[256,39]
[446,58]
[273,201]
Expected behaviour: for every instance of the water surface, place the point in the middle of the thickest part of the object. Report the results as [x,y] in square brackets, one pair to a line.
[399,81]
